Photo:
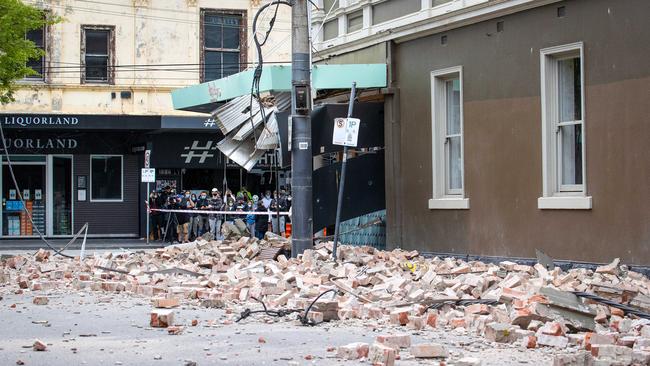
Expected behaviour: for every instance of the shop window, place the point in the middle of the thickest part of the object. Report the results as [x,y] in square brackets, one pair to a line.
[447,127]
[97,49]
[223,35]
[563,140]
[37,64]
[106,178]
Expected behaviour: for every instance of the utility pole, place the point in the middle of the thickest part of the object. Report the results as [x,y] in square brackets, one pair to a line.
[301,158]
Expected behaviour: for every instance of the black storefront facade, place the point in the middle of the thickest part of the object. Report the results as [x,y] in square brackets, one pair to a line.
[78,169]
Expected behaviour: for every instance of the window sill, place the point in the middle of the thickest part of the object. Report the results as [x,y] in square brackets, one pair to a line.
[564,203]
[449,204]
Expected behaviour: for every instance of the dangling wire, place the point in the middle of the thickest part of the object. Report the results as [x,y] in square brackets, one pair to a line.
[257,74]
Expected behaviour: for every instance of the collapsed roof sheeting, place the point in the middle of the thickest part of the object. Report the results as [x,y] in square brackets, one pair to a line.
[241,152]
[234,120]
[233,114]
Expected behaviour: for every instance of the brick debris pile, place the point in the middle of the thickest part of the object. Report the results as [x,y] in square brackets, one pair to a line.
[397,291]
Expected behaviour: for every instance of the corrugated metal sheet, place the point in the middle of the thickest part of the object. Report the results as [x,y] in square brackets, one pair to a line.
[241,152]
[234,113]
[269,138]
[233,118]
[246,128]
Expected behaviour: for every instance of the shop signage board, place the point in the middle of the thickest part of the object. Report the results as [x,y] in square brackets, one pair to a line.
[346,131]
[148,175]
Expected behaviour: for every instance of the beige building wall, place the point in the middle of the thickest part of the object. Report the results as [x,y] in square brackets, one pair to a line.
[156,33]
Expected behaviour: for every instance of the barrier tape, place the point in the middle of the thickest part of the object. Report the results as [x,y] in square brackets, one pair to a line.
[228,213]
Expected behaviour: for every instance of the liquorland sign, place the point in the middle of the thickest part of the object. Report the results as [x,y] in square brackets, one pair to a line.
[106,122]
[79,121]
[27,121]
[14,144]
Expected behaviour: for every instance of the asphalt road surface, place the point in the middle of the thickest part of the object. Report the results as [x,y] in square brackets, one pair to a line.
[93,328]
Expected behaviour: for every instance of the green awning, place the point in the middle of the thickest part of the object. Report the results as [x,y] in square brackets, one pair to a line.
[206,97]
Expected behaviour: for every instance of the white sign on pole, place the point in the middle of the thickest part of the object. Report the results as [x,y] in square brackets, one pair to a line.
[346,131]
[148,175]
[147,159]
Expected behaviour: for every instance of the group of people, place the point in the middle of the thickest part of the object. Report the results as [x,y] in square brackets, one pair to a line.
[191,223]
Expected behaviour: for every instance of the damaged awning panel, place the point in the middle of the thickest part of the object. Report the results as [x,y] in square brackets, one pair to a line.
[243,153]
[249,132]
[206,97]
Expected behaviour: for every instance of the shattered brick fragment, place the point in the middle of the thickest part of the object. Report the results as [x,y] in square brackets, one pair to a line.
[428,350]
[161,318]
[353,351]
[381,355]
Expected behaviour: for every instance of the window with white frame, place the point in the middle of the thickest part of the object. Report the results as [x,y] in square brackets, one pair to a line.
[563,133]
[106,177]
[447,127]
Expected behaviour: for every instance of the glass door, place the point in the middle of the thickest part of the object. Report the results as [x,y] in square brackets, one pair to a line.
[61,188]
[30,176]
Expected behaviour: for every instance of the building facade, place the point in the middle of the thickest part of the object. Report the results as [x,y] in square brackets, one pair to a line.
[77,132]
[512,125]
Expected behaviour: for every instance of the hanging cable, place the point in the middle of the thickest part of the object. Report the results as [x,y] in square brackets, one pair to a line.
[257,74]
[20,196]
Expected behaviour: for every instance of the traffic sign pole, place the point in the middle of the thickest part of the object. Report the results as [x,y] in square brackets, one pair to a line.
[148,212]
[147,163]
[339,203]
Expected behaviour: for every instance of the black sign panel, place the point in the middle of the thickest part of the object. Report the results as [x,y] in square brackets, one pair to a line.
[194,150]
[371,131]
[79,121]
[40,142]
[189,123]
[364,189]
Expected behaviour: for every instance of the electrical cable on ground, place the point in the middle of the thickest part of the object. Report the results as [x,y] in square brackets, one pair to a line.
[20,196]
[462,302]
[602,300]
[276,313]
[303,319]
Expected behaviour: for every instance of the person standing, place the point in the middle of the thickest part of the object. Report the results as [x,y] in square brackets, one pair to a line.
[261,221]
[183,218]
[279,203]
[194,218]
[250,218]
[244,192]
[156,217]
[203,204]
[216,204]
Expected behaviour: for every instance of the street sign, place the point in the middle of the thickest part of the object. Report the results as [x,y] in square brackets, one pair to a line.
[346,131]
[147,159]
[148,175]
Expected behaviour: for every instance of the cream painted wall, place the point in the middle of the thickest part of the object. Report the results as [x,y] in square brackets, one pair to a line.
[147,32]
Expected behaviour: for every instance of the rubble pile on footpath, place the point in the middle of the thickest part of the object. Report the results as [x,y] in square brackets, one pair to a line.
[396,292]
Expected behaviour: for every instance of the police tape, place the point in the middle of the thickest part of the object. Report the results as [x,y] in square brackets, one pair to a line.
[227,213]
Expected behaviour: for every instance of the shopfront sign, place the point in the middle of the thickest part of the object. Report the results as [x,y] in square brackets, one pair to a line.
[28,121]
[43,142]
[196,150]
[79,121]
